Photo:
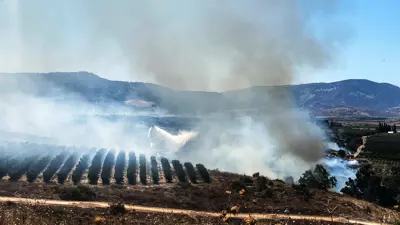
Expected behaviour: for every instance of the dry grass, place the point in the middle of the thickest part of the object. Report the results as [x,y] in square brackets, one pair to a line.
[11,213]
[216,197]
[50,215]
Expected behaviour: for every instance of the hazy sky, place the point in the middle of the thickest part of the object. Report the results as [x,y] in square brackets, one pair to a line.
[110,39]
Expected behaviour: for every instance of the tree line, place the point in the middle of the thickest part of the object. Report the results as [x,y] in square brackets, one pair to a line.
[383,127]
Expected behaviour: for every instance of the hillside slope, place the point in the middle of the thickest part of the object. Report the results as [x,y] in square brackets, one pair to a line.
[347,97]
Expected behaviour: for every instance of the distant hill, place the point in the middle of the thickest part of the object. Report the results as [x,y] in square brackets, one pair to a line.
[343,98]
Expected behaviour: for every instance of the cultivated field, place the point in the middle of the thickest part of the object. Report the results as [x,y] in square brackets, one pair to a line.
[70,165]
[385,146]
[39,171]
[379,145]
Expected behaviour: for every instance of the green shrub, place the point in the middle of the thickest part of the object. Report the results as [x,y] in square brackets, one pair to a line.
[166,169]
[142,169]
[117,209]
[180,173]
[203,173]
[119,168]
[76,193]
[55,164]
[62,175]
[18,170]
[318,178]
[238,185]
[302,190]
[246,179]
[36,168]
[95,168]
[154,170]
[80,169]
[108,165]
[132,168]
[191,172]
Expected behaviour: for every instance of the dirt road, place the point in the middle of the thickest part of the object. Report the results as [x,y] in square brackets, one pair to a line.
[361,148]
[179,211]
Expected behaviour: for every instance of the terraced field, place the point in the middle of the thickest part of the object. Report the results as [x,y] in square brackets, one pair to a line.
[74,165]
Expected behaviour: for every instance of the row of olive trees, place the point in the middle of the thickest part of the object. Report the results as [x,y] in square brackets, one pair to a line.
[100,164]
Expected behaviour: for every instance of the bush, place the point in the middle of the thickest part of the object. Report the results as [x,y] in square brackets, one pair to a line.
[80,169]
[203,173]
[67,168]
[95,168]
[167,170]
[142,169]
[247,180]
[55,164]
[180,173]
[238,185]
[154,170]
[120,168]
[132,168]
[302,190]
[319,178]
[117,209]
[37,168]
[107,167]
[77,193]
[18,170]
[341,153]
[191,172]
[260,183]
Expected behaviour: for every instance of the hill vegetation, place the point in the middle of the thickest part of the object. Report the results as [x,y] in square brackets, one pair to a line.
[352,98]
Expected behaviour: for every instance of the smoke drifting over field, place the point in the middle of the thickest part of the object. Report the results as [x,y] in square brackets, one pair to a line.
[194,45]
[62,124]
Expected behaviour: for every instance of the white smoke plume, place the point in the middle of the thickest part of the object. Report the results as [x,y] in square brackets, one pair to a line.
[342,170]
[168,144]
[193,45]
[61,124]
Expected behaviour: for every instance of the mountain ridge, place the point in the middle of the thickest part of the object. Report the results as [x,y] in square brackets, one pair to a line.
[360,97]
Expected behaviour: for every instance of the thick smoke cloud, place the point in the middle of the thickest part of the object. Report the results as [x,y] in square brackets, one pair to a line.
[248,145]
[193,45]
[25,118]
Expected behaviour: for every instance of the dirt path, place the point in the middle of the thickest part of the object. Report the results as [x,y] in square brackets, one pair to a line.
[362,146]
[179,211]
